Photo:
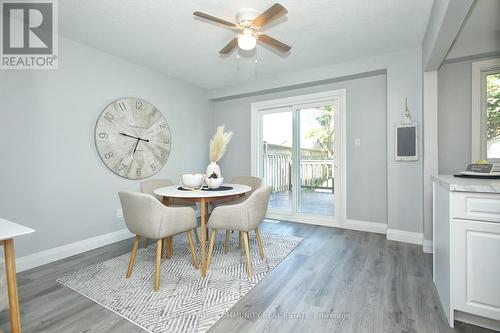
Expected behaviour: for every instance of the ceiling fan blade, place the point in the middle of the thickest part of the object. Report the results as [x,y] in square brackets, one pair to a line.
[215,19]
[230,46]
[274,12]
[274,43]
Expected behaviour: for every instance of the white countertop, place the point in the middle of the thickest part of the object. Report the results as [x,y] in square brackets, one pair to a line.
[173,191]
[10,230]
[457,184]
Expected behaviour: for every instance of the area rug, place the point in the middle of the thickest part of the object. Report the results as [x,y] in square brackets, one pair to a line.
[186,302]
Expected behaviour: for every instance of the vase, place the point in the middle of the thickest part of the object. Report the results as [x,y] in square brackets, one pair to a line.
[213,167]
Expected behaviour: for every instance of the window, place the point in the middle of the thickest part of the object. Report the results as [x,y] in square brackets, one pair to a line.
[492,115]
[486,111]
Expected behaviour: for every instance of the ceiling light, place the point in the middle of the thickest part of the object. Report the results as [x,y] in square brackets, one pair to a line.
[246,40]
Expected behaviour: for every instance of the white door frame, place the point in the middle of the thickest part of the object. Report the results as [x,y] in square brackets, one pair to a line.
[295,103]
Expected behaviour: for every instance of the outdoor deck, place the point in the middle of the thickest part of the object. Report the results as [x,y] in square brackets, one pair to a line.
[312,202]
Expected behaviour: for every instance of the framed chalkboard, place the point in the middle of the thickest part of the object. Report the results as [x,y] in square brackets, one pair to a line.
[406,142]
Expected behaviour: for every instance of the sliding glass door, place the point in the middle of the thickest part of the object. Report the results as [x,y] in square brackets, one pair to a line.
[298,150]
[315,167]
[277,155]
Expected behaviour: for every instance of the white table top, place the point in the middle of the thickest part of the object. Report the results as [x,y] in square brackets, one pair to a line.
[10,230]
[174,192]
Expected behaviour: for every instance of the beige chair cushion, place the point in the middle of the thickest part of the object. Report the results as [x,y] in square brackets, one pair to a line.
[253,182]
[244,216]
[145,216]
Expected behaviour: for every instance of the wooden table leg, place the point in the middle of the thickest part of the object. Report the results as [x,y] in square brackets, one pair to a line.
[10,267]
[203,237]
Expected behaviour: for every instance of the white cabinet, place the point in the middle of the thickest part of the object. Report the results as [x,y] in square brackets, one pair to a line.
[477,267]
[466,249]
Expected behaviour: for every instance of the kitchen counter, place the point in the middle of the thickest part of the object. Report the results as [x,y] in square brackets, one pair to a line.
[456,184]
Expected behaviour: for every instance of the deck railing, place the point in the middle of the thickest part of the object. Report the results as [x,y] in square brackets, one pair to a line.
[317,174]
[278,171]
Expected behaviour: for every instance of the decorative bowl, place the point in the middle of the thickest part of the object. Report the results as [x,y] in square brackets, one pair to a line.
[214,183]
[192,180]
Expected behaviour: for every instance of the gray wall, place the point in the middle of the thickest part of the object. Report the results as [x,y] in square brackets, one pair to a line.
[50,174]
[454,116]
[366,119]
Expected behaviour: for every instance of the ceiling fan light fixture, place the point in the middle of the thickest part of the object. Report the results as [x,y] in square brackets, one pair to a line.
[247,40]
[250,23]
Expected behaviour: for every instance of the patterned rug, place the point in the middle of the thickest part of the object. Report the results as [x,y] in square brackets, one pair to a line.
[186,302]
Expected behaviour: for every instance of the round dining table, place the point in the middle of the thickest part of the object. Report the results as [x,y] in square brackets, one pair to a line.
[225,193]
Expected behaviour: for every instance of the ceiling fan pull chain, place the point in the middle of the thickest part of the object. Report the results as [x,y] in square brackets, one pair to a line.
[255,63]
[238,59]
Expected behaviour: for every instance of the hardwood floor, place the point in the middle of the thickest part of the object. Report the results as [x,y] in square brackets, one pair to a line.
[363,281]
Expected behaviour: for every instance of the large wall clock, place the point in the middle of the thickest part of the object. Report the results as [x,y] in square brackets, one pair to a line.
[133,138]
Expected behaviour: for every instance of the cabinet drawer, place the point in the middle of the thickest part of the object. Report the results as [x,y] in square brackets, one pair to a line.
[476,206]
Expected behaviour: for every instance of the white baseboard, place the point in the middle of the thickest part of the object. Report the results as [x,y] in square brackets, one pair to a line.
[367,226]
[405,236]
[377,227]
[68,250]
[427,246]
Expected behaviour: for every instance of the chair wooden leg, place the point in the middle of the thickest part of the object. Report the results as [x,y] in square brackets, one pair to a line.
[164,247]
[146,242]
[239,240]
[247,250]
[193,250]
[133,255]
[259,243]
[196,236]
[211,247]
[226,241]
[158,262]
[168,247]
[171,246]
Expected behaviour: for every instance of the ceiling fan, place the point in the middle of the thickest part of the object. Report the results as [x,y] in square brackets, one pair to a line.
[249,24]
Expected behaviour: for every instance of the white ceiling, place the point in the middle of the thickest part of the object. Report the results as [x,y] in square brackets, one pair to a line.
[164,35]
[480,32]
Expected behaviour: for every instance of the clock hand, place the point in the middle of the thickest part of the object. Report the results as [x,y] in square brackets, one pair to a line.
[135,148]
[134,137]
[130,136]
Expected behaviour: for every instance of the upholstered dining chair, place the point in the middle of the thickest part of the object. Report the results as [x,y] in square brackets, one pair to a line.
[149,186]
[145,216]
[244,217]
[254,183]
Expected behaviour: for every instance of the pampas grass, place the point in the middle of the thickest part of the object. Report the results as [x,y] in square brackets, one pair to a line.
[218,144]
